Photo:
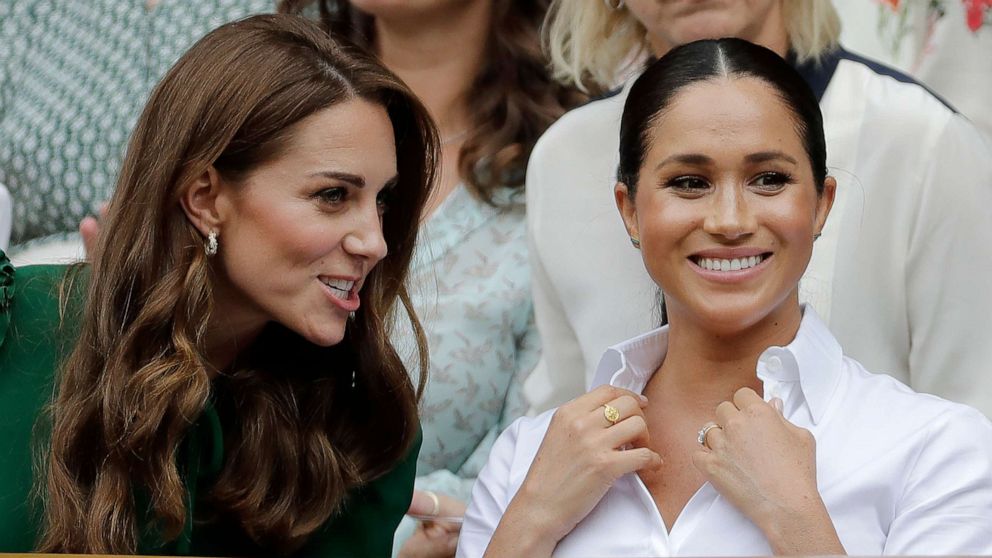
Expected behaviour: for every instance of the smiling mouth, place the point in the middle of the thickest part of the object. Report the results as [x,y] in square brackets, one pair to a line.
[339,288]
[731,264]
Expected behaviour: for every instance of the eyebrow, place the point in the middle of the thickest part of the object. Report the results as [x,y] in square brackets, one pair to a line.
[353,179]
[765,156]
[700,160]
[685,158]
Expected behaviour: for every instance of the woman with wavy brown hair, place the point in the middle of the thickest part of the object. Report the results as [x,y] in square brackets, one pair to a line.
[233,389]
[477,66]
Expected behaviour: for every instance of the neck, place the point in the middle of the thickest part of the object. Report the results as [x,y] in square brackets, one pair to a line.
[708,366]
[440,72]
[771,32]
[231,330]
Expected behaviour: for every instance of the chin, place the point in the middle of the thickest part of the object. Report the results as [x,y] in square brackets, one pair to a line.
[328,339]
[729,316]
[324,334]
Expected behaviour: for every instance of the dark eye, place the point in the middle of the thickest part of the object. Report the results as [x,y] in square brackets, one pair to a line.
[772,181]
[332,196]
[384,199]
[688,184]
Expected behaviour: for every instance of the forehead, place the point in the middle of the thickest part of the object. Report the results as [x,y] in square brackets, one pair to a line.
[354,136]
[726,115]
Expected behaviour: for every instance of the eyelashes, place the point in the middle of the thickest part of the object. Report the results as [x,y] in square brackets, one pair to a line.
[332,196]
[767,182]
[338,195]
[773,181]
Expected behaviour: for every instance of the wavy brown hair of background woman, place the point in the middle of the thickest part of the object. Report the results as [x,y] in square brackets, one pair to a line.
[138,379]
[514,99]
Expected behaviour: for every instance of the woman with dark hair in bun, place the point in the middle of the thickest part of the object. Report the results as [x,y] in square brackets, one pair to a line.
[740,428]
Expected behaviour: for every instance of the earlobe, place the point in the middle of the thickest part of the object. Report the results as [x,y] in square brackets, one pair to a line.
[825,202]
[627,212]
[200,201]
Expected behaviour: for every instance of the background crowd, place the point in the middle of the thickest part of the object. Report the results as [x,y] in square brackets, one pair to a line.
[523,273]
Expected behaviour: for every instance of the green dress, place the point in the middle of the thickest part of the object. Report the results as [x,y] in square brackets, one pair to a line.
[34,338]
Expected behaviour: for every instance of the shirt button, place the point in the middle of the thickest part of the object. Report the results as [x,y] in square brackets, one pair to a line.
[774,364]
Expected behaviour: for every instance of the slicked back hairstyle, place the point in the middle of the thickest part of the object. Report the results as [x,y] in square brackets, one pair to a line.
[657,87]
[138,377]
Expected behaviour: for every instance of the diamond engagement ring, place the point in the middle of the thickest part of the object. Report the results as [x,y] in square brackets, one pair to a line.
[611,413]
[701,437]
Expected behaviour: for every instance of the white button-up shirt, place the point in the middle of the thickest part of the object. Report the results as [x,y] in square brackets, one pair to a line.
[899,472]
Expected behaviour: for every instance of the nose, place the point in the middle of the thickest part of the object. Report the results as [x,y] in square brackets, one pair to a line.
[365,239]
[729,214]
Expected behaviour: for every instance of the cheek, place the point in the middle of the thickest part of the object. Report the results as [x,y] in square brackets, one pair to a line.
[664,225]
[664,221]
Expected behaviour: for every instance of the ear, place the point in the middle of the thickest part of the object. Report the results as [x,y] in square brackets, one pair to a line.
[627,210]
[825,202]
[200,201]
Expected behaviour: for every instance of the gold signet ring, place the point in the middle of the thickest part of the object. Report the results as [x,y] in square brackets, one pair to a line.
[611,413]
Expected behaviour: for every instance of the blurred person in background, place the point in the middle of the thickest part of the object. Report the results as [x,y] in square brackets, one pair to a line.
[899,272]
[478,67]
[73,79]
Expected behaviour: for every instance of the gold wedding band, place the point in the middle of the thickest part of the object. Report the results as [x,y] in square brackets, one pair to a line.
[701,436]
[611,413]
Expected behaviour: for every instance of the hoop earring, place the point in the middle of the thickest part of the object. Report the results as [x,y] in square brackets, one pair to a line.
[610,5]
[210,246]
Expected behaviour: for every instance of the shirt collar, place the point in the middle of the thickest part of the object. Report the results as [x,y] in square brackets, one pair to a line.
[813,358]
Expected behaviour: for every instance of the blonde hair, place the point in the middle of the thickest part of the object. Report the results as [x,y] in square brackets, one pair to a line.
[592,45]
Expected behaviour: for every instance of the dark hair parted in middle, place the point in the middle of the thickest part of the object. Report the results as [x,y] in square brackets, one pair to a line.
[699,61]
[513,97]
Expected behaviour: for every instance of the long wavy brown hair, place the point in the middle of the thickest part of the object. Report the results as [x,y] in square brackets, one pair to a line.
[513,97]
[301,435]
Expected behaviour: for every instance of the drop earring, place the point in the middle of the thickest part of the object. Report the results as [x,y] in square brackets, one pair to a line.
[210,246]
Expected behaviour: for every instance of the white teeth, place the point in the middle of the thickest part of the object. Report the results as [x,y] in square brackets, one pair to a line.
[340,288]
[736,264]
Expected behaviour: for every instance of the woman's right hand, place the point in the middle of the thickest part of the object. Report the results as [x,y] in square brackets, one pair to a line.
[582,455]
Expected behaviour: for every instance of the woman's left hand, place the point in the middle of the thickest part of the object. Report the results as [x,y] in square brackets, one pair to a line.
[766,467]
[433,539]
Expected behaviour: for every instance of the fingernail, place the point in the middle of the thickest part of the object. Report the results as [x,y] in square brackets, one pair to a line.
[644,399]
[777,403]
